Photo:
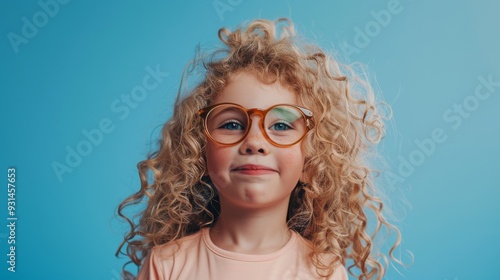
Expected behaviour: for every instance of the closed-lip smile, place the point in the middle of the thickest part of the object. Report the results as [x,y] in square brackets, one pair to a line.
[253,169]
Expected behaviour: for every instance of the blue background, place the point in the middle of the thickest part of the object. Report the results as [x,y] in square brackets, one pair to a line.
[426,58]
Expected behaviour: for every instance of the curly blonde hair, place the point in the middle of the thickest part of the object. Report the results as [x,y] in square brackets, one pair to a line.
[330,208]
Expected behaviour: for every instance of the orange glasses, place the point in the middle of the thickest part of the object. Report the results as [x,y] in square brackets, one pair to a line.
[283,125]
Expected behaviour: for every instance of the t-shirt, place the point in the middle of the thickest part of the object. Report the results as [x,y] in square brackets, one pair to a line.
[196,257]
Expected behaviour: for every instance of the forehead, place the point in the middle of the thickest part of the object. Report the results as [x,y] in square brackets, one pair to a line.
[247,90]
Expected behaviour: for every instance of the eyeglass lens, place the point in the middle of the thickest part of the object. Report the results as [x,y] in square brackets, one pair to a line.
[282,124]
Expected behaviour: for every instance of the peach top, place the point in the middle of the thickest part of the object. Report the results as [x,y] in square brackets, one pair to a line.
[196,257]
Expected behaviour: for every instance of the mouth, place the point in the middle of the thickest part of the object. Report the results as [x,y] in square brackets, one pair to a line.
[252,169]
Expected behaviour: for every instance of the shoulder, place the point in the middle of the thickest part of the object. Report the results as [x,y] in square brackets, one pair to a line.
[161,260]
[339,273]
[177,247]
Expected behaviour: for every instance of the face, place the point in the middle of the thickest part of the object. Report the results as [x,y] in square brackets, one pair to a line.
[254,173]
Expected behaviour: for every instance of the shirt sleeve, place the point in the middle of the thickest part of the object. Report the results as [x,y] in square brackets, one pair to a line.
[150,270]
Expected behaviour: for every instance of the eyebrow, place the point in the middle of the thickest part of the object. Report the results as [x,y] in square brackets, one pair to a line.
[229,109]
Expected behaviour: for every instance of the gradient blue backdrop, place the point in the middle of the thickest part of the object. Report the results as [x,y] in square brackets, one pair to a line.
[70,75]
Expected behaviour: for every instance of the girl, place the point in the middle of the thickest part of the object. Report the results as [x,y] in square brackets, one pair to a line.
[260,172]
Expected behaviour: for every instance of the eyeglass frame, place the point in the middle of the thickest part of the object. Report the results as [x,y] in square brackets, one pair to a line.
[306,114]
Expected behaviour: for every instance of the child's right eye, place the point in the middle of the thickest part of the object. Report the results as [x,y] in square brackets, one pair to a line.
[231,125]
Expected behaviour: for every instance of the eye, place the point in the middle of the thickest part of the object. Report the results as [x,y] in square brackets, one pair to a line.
[280,126]
[231,125]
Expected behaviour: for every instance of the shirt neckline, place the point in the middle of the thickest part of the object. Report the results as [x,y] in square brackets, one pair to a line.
[245,257]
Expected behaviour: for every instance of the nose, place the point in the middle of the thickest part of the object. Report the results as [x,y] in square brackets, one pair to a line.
[255,142]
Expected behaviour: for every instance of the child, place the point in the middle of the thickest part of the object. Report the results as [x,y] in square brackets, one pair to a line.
[260,171]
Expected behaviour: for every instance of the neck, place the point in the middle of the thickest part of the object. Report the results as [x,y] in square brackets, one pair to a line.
[251,231]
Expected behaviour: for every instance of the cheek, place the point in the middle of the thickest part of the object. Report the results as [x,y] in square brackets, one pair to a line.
[216,158]
[294,158]
[211,157]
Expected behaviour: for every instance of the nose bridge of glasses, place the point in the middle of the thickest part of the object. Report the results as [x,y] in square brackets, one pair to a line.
[255,111]
[260,123]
